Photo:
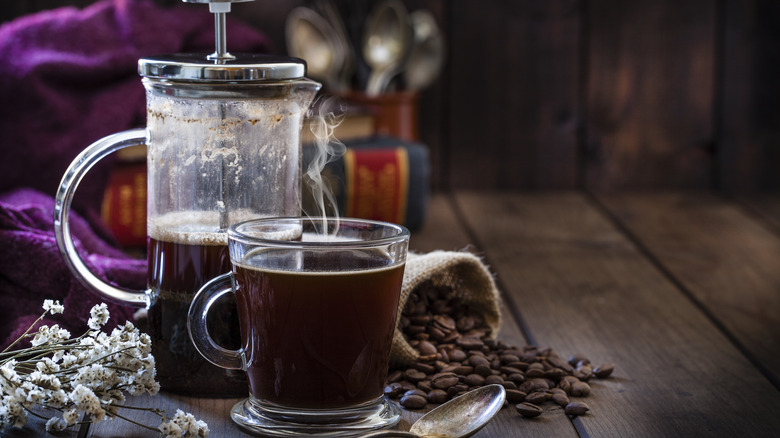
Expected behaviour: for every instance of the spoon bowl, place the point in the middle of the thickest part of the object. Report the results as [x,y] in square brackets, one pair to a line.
[460,417]
[426,56]
[386,44]
[312,38]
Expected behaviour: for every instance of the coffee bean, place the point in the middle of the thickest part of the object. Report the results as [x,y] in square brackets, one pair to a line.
[456,390]
[425,385]
[419,320]
[463,370]
[475,380]
[577,358]
[444,322]
[416,391]
[466,323]
[576,408]
[438,396]
[510,370]
[483,370]
[537,397]
[414,375]
[580,389]
[555,361]
[604,370]
[493,380]
[394,389]
[518,378]
[583,372]
[457,355]
[555,373]
[522,366]
[469,342]
[424,367]
[477,361]
[528,410]
[561,399]
[444,380]
[395,376]
[426,348]
[415,329]
[414,401]
[515,396]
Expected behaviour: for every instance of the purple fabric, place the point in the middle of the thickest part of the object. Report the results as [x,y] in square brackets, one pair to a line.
[32,270]
[69,77]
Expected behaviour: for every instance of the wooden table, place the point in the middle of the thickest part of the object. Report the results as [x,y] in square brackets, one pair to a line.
[680,290]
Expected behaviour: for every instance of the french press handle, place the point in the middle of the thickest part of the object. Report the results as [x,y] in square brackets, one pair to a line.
[70,182]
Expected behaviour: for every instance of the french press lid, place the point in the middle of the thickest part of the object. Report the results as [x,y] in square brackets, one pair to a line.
[221,65]
[241,67]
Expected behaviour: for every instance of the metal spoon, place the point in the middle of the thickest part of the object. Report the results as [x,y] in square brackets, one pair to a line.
[386,44]
[426,57]
[460,417]
[311,37]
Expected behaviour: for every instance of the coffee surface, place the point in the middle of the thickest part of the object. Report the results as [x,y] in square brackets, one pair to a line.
[318,339]
[177,268]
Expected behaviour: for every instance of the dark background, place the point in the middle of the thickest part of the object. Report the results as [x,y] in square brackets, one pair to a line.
[604,95]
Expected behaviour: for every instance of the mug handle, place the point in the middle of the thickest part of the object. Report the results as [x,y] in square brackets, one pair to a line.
[199,333]
[70,182]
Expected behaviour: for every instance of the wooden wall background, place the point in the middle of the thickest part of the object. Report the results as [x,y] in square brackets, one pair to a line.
[605,95]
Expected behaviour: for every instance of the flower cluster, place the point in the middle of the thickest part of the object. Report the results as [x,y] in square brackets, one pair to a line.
[67,378]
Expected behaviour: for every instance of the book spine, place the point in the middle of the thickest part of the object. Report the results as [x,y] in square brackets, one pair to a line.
[124,203]
[380,179]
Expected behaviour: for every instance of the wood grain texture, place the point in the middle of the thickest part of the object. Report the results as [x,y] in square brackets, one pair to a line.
[748,157]
[515,65]
[650,94]
[582,285]
[765,206]
[728,262]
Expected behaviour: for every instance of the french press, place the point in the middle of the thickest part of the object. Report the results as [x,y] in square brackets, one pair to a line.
[223,145]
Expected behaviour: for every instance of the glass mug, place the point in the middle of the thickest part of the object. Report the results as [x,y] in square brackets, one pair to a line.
[223,145]
[317,313]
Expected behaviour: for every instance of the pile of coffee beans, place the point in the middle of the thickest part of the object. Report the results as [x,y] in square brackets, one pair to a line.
[457,355]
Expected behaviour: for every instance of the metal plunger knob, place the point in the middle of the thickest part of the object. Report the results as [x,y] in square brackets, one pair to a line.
[219,8]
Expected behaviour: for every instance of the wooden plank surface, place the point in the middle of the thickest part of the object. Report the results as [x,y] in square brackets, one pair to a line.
[766,207]
[442,231]
[748,158]
[728,262]
[650,94]
[612,278]
[582,285]
[516,64]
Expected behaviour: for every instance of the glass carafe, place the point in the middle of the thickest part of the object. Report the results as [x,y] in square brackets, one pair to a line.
[223,145]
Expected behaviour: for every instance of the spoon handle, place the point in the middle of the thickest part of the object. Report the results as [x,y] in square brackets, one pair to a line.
[390,433]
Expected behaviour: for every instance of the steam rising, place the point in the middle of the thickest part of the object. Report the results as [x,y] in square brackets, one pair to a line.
[324,116]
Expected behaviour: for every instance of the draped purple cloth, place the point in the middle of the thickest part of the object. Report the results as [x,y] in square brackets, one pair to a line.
[69,77]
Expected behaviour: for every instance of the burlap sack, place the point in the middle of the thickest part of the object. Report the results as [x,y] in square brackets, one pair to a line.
[465,274]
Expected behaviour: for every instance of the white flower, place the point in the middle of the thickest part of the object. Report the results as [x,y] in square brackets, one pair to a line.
[189,425]
[53,307]
[98,316]
[56,424]
[96,370]
[47,365]
[71,417]
[86,401]
[56,399]
[169,429]
[51,334]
